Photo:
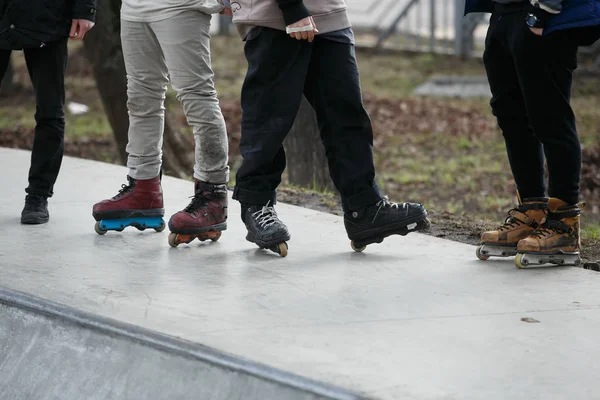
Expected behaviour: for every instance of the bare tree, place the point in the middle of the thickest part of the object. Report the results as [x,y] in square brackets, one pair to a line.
[103,50]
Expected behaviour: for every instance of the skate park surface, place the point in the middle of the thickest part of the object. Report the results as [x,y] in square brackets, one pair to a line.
[124,316]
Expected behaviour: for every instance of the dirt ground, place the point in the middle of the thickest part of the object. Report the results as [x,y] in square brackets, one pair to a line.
[459,228]
[446,153]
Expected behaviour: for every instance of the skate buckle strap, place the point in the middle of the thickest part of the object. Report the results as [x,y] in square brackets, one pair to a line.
[266,216]
[219,189]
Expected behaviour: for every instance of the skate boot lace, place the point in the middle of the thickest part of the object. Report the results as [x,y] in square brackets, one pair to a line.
[510,222]
[199,201]
[266,216]
[550,227]
[386,203]
[124,189]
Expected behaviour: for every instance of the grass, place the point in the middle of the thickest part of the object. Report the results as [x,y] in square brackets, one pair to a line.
[592,231]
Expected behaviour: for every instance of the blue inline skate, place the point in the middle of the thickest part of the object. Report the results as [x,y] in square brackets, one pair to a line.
[138,204]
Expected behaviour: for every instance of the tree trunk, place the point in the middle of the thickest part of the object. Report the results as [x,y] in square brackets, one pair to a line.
[103,50]
[306,161]
[224,25]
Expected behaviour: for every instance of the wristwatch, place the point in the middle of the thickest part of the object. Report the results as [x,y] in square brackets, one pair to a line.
[533,21]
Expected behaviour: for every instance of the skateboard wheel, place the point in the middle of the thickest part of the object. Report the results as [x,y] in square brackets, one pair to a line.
[481,256]
[357,248]
[98,229]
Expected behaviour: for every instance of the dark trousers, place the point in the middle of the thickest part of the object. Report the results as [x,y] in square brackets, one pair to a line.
[530,78]
[280,71]
[46,66]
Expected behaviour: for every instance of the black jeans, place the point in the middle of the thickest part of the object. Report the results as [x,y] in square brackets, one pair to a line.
[46,66]
[531,77]
[280,71]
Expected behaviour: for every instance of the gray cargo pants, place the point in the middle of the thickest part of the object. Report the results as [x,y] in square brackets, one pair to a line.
[176,49]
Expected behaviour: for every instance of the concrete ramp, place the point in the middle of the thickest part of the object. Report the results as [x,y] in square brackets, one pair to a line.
[53,352]
[416,317]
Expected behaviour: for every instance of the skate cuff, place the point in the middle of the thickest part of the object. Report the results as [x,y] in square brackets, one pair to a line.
[246,196]
[363,199]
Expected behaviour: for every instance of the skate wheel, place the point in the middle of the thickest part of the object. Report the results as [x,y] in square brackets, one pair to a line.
[98,229]
[173,240]
[481,256]
[519,262]
[282,249]
[216,237]
[161,227]
[357,248]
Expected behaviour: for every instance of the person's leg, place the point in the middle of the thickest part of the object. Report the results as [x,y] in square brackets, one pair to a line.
[271,96]
[333,88]
[189,64]
[46,66]
[4,62]
[147,80]
[524,150]
[545,65]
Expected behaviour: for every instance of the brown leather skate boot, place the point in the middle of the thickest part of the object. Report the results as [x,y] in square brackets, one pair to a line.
[556,241]
[521,222]
[204,218]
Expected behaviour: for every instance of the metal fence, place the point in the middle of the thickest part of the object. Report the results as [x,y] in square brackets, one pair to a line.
[435,26]
[418,25]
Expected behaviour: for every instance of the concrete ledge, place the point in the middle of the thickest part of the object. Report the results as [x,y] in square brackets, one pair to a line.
[50,351]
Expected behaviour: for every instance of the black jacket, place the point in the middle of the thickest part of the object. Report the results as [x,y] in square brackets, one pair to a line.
[32,23]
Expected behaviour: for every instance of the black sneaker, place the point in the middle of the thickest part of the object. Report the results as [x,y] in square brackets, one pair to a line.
[264,227]
[374,223]
[35,210]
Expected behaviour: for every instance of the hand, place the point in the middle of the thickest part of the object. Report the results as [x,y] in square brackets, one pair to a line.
[537,31]
[306,35]
[79,28]
[227,12]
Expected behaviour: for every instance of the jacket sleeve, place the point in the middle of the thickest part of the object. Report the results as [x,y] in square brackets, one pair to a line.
[293,10]
[84,9]
[550,6]
[545,9]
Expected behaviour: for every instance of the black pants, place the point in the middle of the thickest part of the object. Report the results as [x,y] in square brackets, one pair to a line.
[280,71]
[530,77]
[46,66]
